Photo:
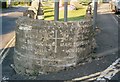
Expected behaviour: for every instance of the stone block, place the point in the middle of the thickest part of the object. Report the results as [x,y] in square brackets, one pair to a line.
[49,46]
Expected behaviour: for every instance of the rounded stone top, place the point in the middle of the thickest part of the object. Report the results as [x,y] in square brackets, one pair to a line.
[43,23]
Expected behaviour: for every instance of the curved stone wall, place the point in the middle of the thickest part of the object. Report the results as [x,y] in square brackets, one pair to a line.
[48,46]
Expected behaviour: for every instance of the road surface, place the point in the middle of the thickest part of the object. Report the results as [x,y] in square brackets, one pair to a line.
[9,16]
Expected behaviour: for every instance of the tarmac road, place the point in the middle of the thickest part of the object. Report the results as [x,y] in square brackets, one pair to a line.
[9,16]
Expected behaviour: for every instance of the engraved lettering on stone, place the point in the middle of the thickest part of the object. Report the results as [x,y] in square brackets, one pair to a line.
[66,44]
[23,47]
[25,27]
[60,45]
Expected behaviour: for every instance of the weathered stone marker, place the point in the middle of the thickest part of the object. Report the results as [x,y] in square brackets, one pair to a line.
[48,46]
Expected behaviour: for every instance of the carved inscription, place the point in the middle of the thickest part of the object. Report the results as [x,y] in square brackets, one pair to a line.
[52,40]
[49,46]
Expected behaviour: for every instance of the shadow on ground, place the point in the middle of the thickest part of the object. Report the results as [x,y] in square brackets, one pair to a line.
[78,18]
[14,9]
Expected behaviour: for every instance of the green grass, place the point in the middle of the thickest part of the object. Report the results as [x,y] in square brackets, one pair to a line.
[74,15]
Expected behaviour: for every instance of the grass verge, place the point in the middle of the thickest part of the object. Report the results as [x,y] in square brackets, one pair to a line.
[73,15]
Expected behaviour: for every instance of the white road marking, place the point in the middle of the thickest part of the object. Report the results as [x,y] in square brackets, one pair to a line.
[118,16]
[110,71]
[2,54]
[7,46]
[116,21]
[5,54]
[87,77]
[107,73]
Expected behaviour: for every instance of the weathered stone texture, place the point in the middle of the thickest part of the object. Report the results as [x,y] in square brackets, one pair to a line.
[49,46]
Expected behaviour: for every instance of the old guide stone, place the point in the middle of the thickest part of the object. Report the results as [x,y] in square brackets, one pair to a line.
[48,46]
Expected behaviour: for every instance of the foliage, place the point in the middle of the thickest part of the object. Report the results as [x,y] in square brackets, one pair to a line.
[21,2]
[74,15]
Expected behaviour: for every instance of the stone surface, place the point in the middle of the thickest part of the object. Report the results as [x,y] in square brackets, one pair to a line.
[48,46]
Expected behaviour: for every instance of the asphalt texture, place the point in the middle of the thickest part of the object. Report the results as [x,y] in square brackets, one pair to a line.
[9,17]
[107,41]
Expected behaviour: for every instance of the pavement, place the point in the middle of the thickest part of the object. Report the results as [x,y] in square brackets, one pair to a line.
[107,38]
[106,52]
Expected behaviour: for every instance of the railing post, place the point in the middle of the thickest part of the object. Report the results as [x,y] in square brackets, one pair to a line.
[95,13]
[65,10]
[56,10]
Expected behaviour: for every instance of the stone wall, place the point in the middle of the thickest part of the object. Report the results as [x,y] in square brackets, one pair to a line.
[48,46]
